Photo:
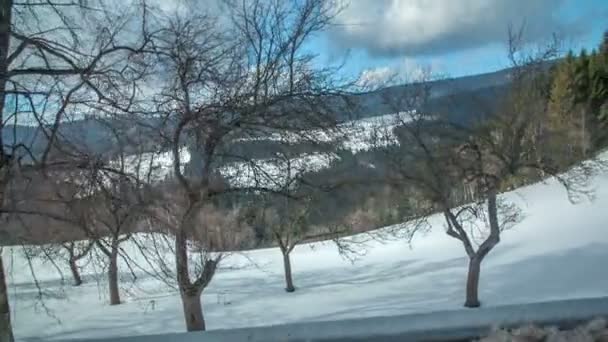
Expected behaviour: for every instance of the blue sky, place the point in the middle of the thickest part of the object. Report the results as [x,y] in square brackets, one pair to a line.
[452,37]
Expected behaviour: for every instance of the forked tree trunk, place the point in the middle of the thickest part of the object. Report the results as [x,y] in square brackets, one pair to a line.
[190,295]
[191,302]
[288,278]
[190,291]
[472,299]
[475,259]
[75,254]
[75,272]
[456,231]
[113,278]
[193,310]
[6,330]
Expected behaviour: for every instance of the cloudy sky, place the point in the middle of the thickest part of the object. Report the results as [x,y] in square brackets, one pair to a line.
[452,37]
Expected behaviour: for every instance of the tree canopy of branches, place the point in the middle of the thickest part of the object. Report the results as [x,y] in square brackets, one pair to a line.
[288,217]
[226,79]
[57,59]
[438,157]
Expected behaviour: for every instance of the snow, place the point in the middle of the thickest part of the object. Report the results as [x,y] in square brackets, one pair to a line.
[153,166]
[450,325]
[356,135]
[269,172]
[275,173]
[558,251]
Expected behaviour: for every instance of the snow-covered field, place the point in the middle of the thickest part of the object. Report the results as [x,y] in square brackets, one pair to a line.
[356,135]
[559,251]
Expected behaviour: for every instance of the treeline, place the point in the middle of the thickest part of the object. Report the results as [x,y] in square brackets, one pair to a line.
[578,100]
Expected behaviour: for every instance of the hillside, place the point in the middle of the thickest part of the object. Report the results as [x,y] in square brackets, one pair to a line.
[459,95]
[556,252]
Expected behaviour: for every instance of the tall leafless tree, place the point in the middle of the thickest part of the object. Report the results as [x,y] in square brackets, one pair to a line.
[437,154]
[114,215]
[70,252]
[116,201]
[289,215]
[75,252]
[218,231]
[226,79]
[55,57]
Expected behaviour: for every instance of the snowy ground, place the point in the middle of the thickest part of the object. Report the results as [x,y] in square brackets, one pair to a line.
[558,252]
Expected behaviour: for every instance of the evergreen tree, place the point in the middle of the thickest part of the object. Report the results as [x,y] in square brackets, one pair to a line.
[598,82]
[598,96]
[578,102]
[568,93]
[562,98]
[581,78]
[604,44]
[570,59]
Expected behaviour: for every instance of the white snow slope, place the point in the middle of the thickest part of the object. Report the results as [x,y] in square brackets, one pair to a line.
[558,251]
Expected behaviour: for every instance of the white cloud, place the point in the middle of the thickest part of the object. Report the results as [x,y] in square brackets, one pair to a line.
[406,70]
[426,27]
[376,76]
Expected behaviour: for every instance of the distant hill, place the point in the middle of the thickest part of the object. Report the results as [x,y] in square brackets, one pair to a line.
[374,103]
[457,97]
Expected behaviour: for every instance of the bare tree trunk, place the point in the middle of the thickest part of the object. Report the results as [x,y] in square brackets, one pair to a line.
[475,259]
[74,254]
[75,272]
[113,277]
[193,310]
[472,299]
[191,291]
[288,278]
[191,300]
[73,266]
[6,330]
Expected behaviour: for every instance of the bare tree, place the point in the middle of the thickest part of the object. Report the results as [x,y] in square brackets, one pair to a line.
[289,230]
[114,217]
[437,154]
[53,58]
[287,223]
[70,252]
[227,80]
[117,204]
[217,232]
[76,250]
[289,215]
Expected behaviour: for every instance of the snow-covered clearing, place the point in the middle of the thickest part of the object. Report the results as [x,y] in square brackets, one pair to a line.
[268,173]
[356,135]
[559,251]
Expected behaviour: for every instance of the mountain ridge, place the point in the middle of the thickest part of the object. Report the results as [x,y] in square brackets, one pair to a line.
[445,95]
